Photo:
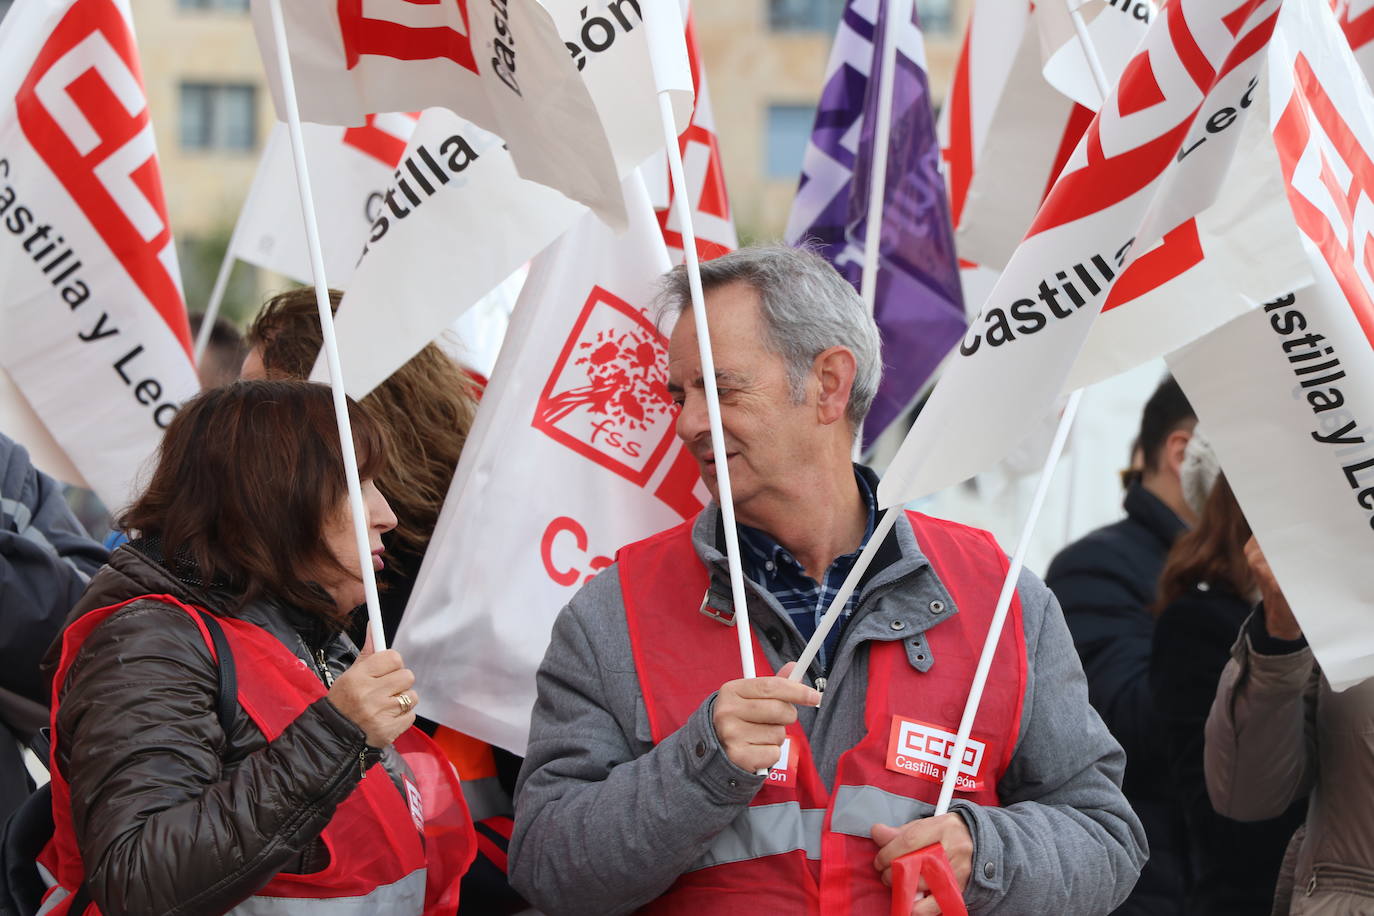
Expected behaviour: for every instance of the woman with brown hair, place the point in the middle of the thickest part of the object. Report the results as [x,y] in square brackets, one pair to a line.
[1205,593]
[216,737]
[426,406]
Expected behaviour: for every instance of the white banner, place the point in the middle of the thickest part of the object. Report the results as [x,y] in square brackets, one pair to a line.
[572,456]
[1286,393]
[448,232]
[350,171]
[501,66]
[1115,28]
[1155,185]
[92,324]
[416,282]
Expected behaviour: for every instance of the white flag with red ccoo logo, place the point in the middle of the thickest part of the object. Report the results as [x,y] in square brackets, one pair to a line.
[572,456]
[350,171]
[502,66]
[1168,220]
[1285,393]
[93,328]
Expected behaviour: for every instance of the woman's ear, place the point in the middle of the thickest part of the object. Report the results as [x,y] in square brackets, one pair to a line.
[834,369]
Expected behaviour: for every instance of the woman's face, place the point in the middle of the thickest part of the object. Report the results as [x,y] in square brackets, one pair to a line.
[347,590]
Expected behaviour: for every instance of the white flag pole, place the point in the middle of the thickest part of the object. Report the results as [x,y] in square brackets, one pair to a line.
[226,267]
[898,14]
[207,320]
[331,346]
[1061,436]
[668,56]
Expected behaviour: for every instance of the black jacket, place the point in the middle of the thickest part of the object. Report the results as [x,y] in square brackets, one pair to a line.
[46,559]
[1105,583]
[171,813]
[1233,866]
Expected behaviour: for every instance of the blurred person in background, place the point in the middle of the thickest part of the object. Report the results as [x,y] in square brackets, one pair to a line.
[427,407]
[224,352]
[1106,584]
[164,801]
[46,559]
[1205,593]
[1277,732]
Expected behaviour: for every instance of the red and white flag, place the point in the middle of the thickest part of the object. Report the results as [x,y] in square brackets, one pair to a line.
[711,216]
[1357,22]
[1169,220]
[439,246]
[93,329]
[502,66]
[455,222]
[350,171]
[1021,98]
[572,456]
[1286,393]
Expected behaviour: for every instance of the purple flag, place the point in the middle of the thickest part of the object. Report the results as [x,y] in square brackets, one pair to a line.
[919,305]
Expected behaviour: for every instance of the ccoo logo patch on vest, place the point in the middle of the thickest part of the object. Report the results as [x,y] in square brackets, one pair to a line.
[416,802]
[919,749]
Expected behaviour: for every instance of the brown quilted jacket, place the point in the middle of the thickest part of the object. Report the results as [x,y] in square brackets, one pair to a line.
[173,815]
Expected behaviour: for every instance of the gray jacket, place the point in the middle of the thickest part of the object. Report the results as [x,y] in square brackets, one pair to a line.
[1276,732]
[606,821]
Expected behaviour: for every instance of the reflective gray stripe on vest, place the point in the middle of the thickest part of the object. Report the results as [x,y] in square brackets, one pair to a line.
[57,896]
[858,808]
[766,830]
[406,897]
[485,798]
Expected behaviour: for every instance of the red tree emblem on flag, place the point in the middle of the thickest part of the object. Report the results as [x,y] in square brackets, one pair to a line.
[607,398]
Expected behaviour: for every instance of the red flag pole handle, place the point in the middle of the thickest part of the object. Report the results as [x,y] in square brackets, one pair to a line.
[928,862]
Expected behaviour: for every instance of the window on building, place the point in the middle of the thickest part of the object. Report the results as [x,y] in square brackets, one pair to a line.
[228,6]
[936,16]
[789,129]
[804,15]
[219,116]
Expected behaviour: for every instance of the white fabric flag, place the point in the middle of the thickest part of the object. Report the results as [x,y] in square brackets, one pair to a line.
[350,170]
[572,456]
[1045,98]
[1357,21]
[501,66]
[92,325]
[406,292]
[1176,180]
[1286,393]
[457,222]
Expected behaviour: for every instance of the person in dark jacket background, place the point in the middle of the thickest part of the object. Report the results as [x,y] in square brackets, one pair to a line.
[1205,594]
[46,559]
[1106,584]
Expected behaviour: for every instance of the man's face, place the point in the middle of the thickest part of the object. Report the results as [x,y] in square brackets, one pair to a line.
[767,436]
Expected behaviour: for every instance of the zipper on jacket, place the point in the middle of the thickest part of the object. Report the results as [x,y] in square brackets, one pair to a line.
[362,762]
[325,674]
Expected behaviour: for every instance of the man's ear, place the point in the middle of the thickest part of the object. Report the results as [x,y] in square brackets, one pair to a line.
[834,371]
[1174,446]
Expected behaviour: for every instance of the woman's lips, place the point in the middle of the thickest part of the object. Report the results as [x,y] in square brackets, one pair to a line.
[378,564]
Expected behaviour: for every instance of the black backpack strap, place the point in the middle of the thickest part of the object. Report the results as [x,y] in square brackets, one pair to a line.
[228,697]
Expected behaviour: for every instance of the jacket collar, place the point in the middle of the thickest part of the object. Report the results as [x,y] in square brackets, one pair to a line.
[898,556]
[1151,513]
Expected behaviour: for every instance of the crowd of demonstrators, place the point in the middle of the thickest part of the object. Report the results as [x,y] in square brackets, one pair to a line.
[220,741]
[1205,595]
[1277,732]
[640,785]
[46,559]
[180,788]
[426,407]
[224,351]
[1106,583]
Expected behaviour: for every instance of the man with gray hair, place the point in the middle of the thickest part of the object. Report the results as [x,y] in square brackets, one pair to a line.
[639,789]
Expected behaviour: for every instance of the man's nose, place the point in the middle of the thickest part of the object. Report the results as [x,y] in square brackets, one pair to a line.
[692,419]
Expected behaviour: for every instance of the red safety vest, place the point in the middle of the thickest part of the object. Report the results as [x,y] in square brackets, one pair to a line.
[391,852]
[798,848]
